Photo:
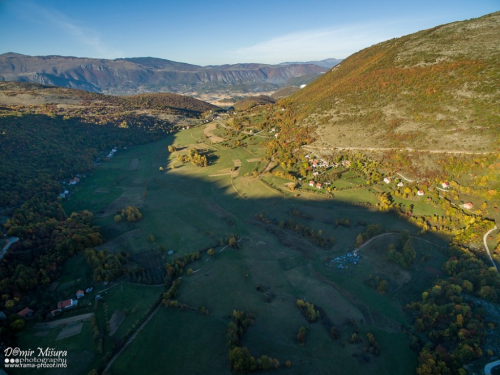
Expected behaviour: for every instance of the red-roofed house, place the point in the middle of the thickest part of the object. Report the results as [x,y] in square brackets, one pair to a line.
[468,205]
[319,185]
[25,313]
[445,185]
[311,183]
[420,192]
[80,294]
[69,303]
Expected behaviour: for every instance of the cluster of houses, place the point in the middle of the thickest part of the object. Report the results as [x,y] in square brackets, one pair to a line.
[321,163]
[341,261]
[69,303]
[318,185]
[388,180]
[111,153]
[72,181]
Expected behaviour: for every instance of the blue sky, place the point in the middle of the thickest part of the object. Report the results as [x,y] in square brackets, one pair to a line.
[219,32]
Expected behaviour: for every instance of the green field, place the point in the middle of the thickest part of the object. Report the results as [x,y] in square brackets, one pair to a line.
[188,208]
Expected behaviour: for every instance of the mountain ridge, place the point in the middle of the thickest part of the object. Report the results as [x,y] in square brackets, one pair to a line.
[148,74]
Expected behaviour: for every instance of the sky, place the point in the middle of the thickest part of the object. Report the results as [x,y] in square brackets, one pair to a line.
[220,31]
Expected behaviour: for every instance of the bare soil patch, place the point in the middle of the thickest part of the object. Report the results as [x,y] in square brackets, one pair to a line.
[60,322]
[254,160]
[115,322]
[153,263]
[101,191]
[219,211]
[69,331]
[133,164]
[208,131]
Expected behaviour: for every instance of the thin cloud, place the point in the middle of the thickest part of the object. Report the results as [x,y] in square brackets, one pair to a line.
[310,44]
[83,35]
[337,42]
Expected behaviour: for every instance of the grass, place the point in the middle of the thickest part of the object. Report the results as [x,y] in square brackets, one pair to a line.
[81,348]
[177,349]
[187,209]
[134,300]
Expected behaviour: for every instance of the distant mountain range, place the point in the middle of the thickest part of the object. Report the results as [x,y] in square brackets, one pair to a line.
[326,63]
[149,74]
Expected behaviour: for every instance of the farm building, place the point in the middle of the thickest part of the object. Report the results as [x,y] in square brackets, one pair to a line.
[25,313]
[468,205]
[69,303]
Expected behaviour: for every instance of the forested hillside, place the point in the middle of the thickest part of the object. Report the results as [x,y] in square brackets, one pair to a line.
[435,89]
[49,136]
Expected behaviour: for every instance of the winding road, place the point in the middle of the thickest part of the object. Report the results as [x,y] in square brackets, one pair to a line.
[6,247]
[485,238]
[490,366]
[460,152]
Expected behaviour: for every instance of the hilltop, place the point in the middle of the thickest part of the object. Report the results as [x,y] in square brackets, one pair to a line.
[435,89]
[253,101]
[148,74]
[68,100]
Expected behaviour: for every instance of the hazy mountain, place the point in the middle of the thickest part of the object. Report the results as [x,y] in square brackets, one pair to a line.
[326,63]
[434,89]
[148,74]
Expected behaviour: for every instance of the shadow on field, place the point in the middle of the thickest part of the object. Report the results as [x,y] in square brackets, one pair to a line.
[290,246]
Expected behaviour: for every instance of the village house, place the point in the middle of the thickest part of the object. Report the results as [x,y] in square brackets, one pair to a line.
[468,205]
[420,192]
[319,185]
[74,181]
[80,294]
[346,163]
[387,180]
[400,184]
[311,183]
[445,185]
[69,303]
[25,313]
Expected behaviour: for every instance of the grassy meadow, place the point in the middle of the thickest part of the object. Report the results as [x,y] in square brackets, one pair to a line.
[186,208]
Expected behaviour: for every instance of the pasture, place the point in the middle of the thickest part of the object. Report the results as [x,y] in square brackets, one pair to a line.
[186,208]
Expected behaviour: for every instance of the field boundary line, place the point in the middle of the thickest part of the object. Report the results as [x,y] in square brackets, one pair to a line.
[131,338]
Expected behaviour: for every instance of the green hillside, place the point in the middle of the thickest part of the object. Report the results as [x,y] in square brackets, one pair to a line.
[435,89]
